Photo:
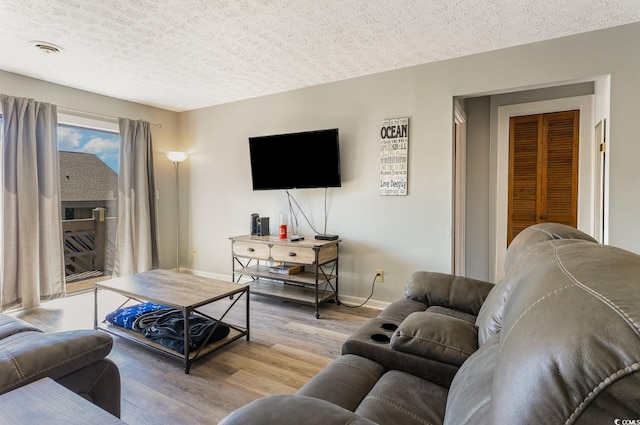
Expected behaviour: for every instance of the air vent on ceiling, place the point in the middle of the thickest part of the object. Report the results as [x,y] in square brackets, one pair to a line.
[47,47]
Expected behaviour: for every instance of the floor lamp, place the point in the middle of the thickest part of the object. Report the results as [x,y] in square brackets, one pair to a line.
[177,158]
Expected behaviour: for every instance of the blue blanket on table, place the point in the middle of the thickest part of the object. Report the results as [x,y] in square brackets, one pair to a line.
[165,325]
[168,330]
[127,317]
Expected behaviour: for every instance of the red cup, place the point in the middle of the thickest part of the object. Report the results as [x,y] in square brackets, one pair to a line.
[283,231]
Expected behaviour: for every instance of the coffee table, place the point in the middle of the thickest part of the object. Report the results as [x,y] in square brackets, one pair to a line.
[181,291]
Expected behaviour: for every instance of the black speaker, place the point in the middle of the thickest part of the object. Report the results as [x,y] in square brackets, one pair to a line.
[254,224]
[263,226]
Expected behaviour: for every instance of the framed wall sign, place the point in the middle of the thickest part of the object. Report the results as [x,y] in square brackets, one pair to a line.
[394,156]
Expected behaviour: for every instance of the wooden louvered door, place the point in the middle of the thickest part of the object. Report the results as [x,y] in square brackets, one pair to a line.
[543,170]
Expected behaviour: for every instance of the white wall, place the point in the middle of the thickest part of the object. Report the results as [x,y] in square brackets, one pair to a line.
[397,234]
[164,139]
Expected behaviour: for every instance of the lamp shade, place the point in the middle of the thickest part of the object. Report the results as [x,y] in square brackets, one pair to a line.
[176,156]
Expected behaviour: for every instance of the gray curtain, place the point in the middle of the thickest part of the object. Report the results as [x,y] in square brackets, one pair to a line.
[136,234]
[33,257]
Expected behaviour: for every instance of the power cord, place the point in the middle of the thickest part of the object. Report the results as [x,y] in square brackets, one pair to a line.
[295,217]
[373,284]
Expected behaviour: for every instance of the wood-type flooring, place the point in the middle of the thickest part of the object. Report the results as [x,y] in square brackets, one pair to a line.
[287,347]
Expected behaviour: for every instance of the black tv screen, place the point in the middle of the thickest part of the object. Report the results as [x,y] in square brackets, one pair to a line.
[305,160]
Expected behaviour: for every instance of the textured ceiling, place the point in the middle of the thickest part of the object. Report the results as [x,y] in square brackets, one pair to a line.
[187,54]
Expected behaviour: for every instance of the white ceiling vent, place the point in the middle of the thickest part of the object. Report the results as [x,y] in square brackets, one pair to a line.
[46,47]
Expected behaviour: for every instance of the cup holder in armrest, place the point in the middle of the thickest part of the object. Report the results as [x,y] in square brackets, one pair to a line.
[383,339]
[389,326]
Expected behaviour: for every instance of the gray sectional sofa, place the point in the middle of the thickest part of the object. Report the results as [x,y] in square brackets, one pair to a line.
[557,341]
[75,359]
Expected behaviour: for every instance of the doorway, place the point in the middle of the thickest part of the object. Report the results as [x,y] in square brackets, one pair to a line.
[499,165]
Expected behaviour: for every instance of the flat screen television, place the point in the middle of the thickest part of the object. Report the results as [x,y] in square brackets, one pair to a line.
[304,160]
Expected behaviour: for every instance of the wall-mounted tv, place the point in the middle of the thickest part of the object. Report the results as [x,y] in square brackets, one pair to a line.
[305,160]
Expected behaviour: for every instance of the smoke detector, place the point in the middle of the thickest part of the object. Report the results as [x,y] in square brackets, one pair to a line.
[46,47]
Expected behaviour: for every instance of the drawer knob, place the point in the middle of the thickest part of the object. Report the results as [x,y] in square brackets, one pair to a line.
[250,249]
[291,254]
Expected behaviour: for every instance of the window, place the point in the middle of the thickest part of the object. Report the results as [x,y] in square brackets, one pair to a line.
[89,189]
[88,153]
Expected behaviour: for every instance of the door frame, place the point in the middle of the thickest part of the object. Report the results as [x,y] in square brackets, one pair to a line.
[499,193]
[460,189]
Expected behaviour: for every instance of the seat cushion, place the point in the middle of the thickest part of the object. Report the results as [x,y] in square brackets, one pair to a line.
[402,398]
[345,381]
[292,409]
[453,313]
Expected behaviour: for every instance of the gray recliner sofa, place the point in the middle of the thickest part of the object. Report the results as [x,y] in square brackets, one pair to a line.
[557,341]
[75,359]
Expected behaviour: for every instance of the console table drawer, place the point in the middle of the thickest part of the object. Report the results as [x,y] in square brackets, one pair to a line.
[293,254]
[258,251]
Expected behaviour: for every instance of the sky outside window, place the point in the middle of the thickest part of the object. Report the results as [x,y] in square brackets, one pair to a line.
[104,144]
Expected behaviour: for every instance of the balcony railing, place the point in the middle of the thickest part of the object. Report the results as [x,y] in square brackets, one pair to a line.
[86,246]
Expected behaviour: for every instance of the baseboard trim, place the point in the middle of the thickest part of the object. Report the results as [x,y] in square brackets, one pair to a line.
[347,299]
[375,304]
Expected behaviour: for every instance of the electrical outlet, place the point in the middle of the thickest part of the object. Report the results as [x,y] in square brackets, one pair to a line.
[379,275]
[195,252]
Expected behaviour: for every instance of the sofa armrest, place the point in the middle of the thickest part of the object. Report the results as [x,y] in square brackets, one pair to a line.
[293,410]
[372,341]
[10,325]
[28,356]
[443,338]
[447,290]
[99,383]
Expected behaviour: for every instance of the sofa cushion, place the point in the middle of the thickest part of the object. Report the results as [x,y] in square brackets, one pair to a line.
[436,336]
[402,398]
[293,409]
[453,313]
[447,290]
[345,381]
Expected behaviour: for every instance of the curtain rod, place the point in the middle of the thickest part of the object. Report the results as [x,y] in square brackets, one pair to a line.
[111,117]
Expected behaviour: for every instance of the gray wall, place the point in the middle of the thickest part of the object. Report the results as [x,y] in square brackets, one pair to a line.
[478,110]
[399,234]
